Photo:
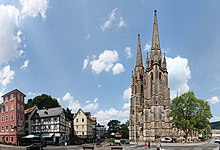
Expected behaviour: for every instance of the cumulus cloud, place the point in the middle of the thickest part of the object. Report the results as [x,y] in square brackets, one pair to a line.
[147,47]
[72,103]
[10,20]
[127,93]
[6,75]
[128,52]
[105,61]
[25,65]
[179,74]
[213,100]
[118,68]
[107,24]
[90,105]
[85,62]
[34,8]
[110,114]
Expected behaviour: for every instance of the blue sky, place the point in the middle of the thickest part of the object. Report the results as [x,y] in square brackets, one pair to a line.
[83,52]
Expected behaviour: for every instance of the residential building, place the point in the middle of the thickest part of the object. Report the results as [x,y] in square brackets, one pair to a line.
[150,99]
[215,133]
[12,117]
[83,125]
[51,124]
[28,115]
[101,130]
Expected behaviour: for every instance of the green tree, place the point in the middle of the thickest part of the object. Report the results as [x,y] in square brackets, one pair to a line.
[69,114]
[187,112]
[125,130]
[42,101]
[113,126]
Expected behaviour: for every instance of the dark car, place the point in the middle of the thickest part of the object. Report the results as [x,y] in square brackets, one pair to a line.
[35,146]
[124,141]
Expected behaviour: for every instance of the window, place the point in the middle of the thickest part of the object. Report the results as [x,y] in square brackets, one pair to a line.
[11,97]
[22,99]
[6,138]
[2,119]
[12,127]
[55,119]
[76,119]
[18,97]
[22,108]
[2,128]
[18,116]
[82,119]
[6,108]
[49,127]
[12,139]
[82,133]
[12,107]
[76,127]
[6,118]
[2,110]
[6,128]
[18,106]
[12,117]
[82,126]
[6,99]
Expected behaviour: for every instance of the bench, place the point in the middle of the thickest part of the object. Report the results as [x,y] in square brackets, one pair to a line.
[88,147]
[116,148]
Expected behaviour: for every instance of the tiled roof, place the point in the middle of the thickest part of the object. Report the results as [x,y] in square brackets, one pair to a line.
[48,112]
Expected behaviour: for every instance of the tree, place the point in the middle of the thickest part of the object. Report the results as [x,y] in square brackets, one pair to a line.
[42,101]
[68,114]
[125,130]
[113,126]
[189,113]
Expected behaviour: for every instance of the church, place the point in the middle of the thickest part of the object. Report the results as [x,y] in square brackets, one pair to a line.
[150,94]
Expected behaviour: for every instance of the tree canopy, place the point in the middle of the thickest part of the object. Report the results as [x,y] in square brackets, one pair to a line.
[113,126]
[189,113]
[42,101]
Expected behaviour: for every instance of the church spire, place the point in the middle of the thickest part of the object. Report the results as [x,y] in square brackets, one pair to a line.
[139,62]
[155,47]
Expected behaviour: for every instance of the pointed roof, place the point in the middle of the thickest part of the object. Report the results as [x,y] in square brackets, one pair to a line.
[155,37]
[139,62]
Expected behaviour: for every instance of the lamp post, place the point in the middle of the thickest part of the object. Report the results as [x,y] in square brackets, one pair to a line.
[135,115]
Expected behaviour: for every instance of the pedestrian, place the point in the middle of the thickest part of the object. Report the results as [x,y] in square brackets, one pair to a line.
[149,145]
[158,146]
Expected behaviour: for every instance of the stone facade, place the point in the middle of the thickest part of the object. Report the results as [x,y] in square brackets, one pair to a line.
[150,99]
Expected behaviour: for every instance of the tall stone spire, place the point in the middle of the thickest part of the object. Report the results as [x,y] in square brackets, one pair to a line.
[139,62]
[155,47]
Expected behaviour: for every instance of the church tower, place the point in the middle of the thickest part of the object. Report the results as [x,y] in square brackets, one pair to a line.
[150,94]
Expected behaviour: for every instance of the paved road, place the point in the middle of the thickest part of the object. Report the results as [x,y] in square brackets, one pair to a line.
[167,146]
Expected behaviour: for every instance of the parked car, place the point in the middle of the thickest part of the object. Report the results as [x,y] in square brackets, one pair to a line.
[35,146]
[124,141]
[217,140]
[166,139]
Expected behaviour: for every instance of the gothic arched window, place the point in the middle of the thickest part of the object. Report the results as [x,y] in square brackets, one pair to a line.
[160,76]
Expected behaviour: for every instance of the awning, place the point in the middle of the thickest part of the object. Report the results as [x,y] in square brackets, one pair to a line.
[30,136]
[47,135]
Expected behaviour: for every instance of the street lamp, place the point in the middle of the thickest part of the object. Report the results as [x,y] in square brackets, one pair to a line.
[135,114]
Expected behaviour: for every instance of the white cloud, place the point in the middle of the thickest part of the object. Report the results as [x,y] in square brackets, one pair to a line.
[105,61]
[127,93]
[213,100]
[99,86]
[85,62]
[105,116]
[179,74]
[25,65]
[91,106]
[67,97]
[108,23]
[10,21]
[72,103]
[118,68]
[126,106]
[128,52]
[121,23]
[147,47]
[33,8]
[6,75]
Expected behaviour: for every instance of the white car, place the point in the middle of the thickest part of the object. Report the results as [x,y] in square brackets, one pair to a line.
[166,139]
[217,140]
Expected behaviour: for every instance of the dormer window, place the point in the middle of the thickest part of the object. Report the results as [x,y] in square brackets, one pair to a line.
[45,113]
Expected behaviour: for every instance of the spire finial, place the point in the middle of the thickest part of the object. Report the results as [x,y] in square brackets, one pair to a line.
[139,62]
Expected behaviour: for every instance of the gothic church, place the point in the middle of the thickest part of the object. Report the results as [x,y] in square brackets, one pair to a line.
[150,99]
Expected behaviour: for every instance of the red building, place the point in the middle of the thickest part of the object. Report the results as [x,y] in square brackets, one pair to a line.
[12,117]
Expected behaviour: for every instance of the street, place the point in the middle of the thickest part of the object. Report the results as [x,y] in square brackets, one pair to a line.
[167,146]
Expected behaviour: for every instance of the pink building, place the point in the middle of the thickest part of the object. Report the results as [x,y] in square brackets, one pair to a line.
[12,117]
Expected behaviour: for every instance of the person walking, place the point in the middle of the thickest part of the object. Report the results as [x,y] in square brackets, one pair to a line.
[148,145]
[158,146]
